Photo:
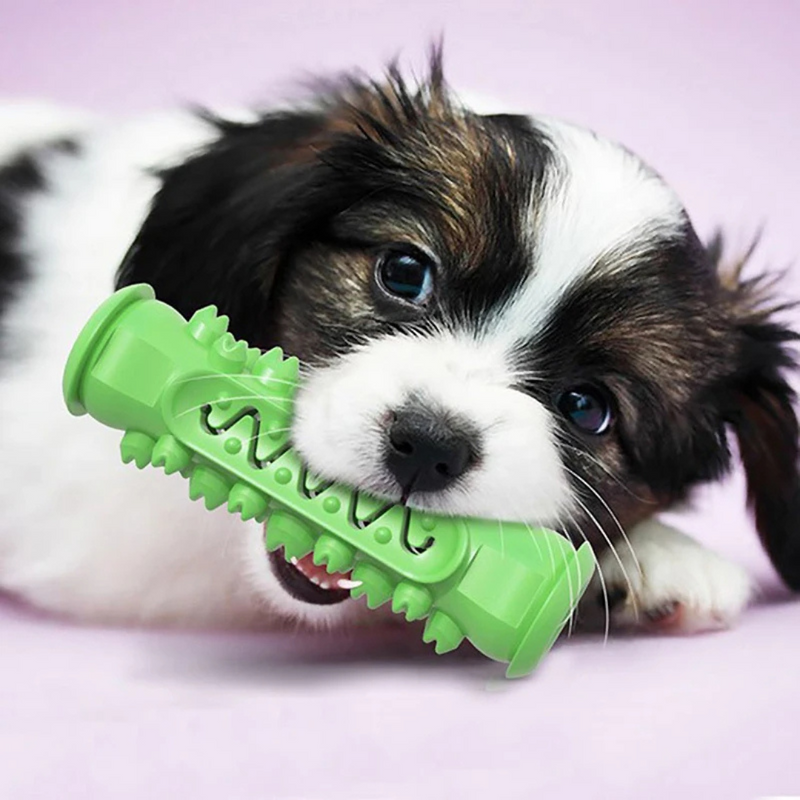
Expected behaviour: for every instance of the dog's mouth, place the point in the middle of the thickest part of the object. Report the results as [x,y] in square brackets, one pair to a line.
[305,581]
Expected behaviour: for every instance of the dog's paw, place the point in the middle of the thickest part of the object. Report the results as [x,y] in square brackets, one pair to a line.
[665,581]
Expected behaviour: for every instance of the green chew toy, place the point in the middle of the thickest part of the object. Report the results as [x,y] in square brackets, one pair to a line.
[192,399]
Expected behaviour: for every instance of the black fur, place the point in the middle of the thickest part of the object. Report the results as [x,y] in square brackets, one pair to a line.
[225,222]
[655,340]
[220,219]
[765,422]
[19,178]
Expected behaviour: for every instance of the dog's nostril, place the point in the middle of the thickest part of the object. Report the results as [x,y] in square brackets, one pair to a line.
[400,443]
[426,451]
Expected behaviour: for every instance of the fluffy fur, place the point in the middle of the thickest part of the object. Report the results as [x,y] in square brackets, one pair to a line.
[558,261]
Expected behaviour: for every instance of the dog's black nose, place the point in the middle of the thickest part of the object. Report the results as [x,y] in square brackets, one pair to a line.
[427,451]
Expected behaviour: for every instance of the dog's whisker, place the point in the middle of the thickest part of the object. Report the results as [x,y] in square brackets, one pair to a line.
[601,577]
[611,514]
[250,439]
[570,587]
[240,399]
[550,553]
[241,377]
[597,462]
[573,601]
[615,553]
[529,527]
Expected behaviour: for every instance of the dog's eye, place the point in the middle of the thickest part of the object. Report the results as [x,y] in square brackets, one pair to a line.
[587,407]
[408,276]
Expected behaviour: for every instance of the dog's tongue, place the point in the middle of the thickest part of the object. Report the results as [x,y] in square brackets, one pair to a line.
[320,576]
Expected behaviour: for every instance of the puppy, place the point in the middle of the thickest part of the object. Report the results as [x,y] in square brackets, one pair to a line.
[498,315]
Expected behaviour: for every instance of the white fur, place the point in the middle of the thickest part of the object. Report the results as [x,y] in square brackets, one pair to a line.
[26,122]
[669,567]
[82,534]
[599,198]
[339,432]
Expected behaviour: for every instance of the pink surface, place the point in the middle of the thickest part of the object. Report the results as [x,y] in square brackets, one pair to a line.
[709,95]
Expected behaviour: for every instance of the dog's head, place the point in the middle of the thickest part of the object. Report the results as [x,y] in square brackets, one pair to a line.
[499,316]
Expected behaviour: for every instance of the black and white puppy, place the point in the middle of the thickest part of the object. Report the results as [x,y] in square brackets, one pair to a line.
[499,315]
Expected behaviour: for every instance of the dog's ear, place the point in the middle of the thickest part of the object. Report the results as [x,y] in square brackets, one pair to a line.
[763,417]
[225,220]
[218,227]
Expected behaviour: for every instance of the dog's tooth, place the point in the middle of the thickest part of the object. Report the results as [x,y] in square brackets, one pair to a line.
[293,561]
[325,584]
[346,583]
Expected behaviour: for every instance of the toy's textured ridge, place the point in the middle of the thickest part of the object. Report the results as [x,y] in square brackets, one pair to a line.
[194,400]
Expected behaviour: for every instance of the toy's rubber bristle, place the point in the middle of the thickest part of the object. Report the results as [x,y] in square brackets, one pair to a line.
[228,355]
[209,484]
[170,454]
[266,364]
[137,447]
[333,553]
[414,601]
[373,583]
[288,370]
[246,501]
[278,375]
[443,632]
[205,326]
[286,530]
[253,354]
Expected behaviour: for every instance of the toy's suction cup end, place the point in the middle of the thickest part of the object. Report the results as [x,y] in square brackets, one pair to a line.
[92,335]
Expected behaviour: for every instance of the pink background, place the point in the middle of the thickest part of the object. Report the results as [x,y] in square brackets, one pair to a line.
[708,93]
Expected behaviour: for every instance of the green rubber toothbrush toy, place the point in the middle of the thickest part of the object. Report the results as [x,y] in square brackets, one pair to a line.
[194,400]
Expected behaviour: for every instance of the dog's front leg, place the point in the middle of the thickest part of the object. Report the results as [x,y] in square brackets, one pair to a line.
[661,579]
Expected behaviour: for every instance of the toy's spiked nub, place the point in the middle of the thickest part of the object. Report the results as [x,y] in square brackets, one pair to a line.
[228,355]
[209,484]
[289,370]
[265,365]
[278,375]
[287,530]
[247,502]
[333,553]
[170,454]
[374,583]
[441,630]
[414,601]
[137,447]
[206,327]
[253,354]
